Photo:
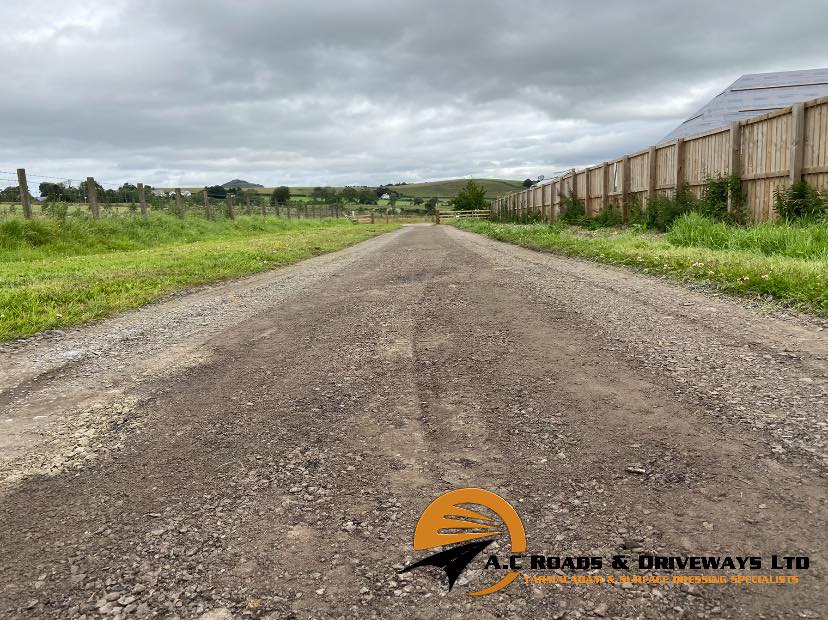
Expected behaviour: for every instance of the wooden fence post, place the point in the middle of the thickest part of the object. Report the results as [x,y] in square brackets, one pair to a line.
[678,182]
[797,141]
[179,208]
[625,190]
[25,201]
[231,212]
[92,196]
[735,158]
[605,186]
[372,216]
[652,174]
[142,199]
[553,194]
[436,216]
[208,212]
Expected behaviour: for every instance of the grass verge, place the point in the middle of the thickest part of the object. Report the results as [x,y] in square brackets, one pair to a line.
[798,282]
[55,274]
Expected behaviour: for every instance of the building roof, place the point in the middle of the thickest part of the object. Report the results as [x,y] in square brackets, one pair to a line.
[751,95]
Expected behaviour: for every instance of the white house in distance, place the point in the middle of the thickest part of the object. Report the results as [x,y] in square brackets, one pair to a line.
[385,196]
[752,95]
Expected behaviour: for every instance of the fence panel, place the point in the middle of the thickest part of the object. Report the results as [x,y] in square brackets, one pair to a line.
[706,157]
[639,176]
[615,172]
[766,160]
[815,164]
[666,169]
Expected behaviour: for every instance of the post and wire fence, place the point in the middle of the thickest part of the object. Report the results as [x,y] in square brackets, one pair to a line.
[60,197]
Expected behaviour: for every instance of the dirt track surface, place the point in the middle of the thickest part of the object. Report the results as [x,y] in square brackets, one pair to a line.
[264,448]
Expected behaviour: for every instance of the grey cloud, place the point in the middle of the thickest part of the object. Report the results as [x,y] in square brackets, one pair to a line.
[187,92]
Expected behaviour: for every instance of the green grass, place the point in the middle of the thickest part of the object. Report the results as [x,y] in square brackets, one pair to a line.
[778,238]
[746,270]
[55,274]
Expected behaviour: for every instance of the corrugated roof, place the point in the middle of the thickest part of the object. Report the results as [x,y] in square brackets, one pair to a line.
[751,95]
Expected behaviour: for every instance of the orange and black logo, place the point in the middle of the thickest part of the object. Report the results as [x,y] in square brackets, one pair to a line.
[462,523]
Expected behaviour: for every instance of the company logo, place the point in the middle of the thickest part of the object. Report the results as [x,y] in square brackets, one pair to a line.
[462,523]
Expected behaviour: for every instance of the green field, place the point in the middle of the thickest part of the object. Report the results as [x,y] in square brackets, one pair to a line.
[779,261]
[449,188]
[60,273]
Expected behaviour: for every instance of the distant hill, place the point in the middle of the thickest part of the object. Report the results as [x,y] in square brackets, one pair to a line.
[449,188]
[239,184]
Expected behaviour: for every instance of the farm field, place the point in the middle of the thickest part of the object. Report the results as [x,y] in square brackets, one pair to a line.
[449,188]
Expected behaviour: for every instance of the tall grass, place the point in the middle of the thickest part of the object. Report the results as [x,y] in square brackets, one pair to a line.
[777,238]
[41,238]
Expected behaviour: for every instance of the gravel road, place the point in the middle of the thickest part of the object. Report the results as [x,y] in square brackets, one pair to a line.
[264,448]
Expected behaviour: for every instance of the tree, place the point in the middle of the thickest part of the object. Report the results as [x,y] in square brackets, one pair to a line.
[280,195]
[349,195]
[10,194]
[528,183]
[418,201]
[431,205]
[471,197]
[216,191]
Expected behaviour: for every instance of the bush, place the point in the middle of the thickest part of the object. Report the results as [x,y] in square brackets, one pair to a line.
[609,217]
[573,210]
[663,210]
[715,197]
[800,201]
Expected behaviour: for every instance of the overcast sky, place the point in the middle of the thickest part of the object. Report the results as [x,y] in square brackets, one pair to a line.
[195,92]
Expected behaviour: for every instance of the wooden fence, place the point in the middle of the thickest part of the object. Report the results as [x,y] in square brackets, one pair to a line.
[768,151]
[473,214]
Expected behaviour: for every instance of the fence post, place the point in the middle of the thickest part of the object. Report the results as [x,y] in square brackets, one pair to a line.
[553,194]
[605,186]
[625,189]
[679,180]
[735,157]
[652,174]
[797,141]
[372,216]
[231,213]
[208,212]
[436,216]
[179,208]
[25,201]
[142,199]
[92,196]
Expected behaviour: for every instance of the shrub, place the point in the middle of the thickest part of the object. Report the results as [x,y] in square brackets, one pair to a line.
[716,195]
[574,211]
[611,216]
[663,210]
[800,201]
